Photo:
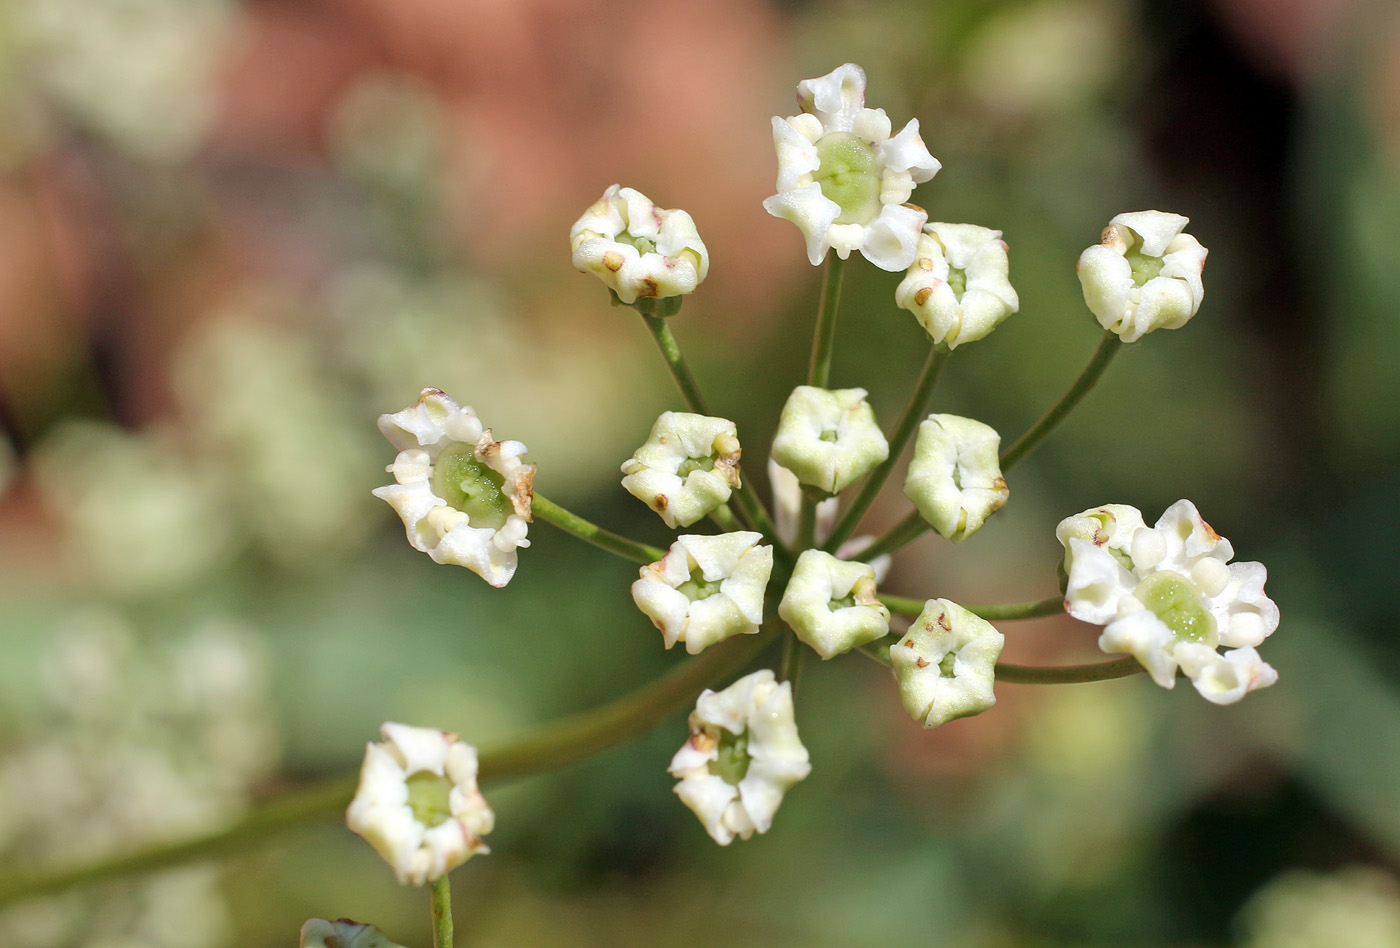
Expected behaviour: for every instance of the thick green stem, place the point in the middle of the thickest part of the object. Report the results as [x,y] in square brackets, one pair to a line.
[546,747]
[550,512]
[914,413]
[824,338]
[907,530]
[442,912]
[1103,355]
[1033,609]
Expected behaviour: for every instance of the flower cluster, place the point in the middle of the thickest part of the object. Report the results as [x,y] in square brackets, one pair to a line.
[1169,596]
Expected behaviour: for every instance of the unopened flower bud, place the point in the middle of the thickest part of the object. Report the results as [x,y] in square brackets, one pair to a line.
[957,287]
[1144,275]
[418,804]
[687,467]
[955,476]
[706,588]
[831,604]
[828,438]
[638,249]
[946,663]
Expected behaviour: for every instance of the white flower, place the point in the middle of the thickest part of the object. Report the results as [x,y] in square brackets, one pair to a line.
[1169,596]
[638,249]
[342,933]
[957,286]
[955,477]
[706,588]
[843,179]
[946,663]
[418,804]
[828,438]
[831,603]
[464,498]
[742,756]
[688,466]
[1144,275]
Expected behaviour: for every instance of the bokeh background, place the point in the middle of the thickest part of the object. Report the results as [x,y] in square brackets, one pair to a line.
[231,234]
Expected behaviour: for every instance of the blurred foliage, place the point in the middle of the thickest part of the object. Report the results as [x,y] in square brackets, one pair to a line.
[231,235]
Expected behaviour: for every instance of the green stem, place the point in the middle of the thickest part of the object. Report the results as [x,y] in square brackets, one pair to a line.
[442,912]
[550,512]
[671,352]
[824,338]
[806,522]
[792,659]
[1033,609]
[724,519]
[750,510]
[1068,674]
[1103,355]
[879,650]
[907,530]
[546,747]
[914,413]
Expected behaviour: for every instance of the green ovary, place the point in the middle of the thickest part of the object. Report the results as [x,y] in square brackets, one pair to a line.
[957,281]
[642,244]
[946,668]
[1177,602]
[697,587]
[733,761]
[849,174]
[471,487]
[1144,267]
[695,464]
[429,798]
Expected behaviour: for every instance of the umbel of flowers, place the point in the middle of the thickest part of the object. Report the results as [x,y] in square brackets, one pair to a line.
[745,584]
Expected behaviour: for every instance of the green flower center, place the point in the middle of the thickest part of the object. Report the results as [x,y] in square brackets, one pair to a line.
[429,796]
[1144,267]
[471,487]
[697,587]
[957,282]
[733,759]
[1177,602]
[849,174]
[845,602]
[830,436]
[945,667]
[696,464]
[642,244]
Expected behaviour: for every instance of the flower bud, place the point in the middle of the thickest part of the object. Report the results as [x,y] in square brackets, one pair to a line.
[1144,275]
[831,604]
[464,498]
[418,804]
[687,467]
[742,756]
[955,476]
[706,588]
[343,933]
[828,438]
[946,663]
[957,287]
[638,249]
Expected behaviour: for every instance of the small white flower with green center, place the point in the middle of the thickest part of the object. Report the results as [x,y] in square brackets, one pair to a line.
[831,603]
[957,286]
[843,179]
[742,756]
[828,438]
[464,497]
[1144,275]
[687,467]
[1169,596]
[946,664]
[418,804]
[706,588]
[955,476]
[343,933]
[638,249]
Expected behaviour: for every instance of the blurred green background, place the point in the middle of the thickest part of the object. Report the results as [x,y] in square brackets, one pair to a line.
[232,234]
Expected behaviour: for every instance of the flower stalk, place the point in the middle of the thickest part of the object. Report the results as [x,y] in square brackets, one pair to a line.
[999,612]
[589,532]
[824,338]
[1109,346]
[442,913]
